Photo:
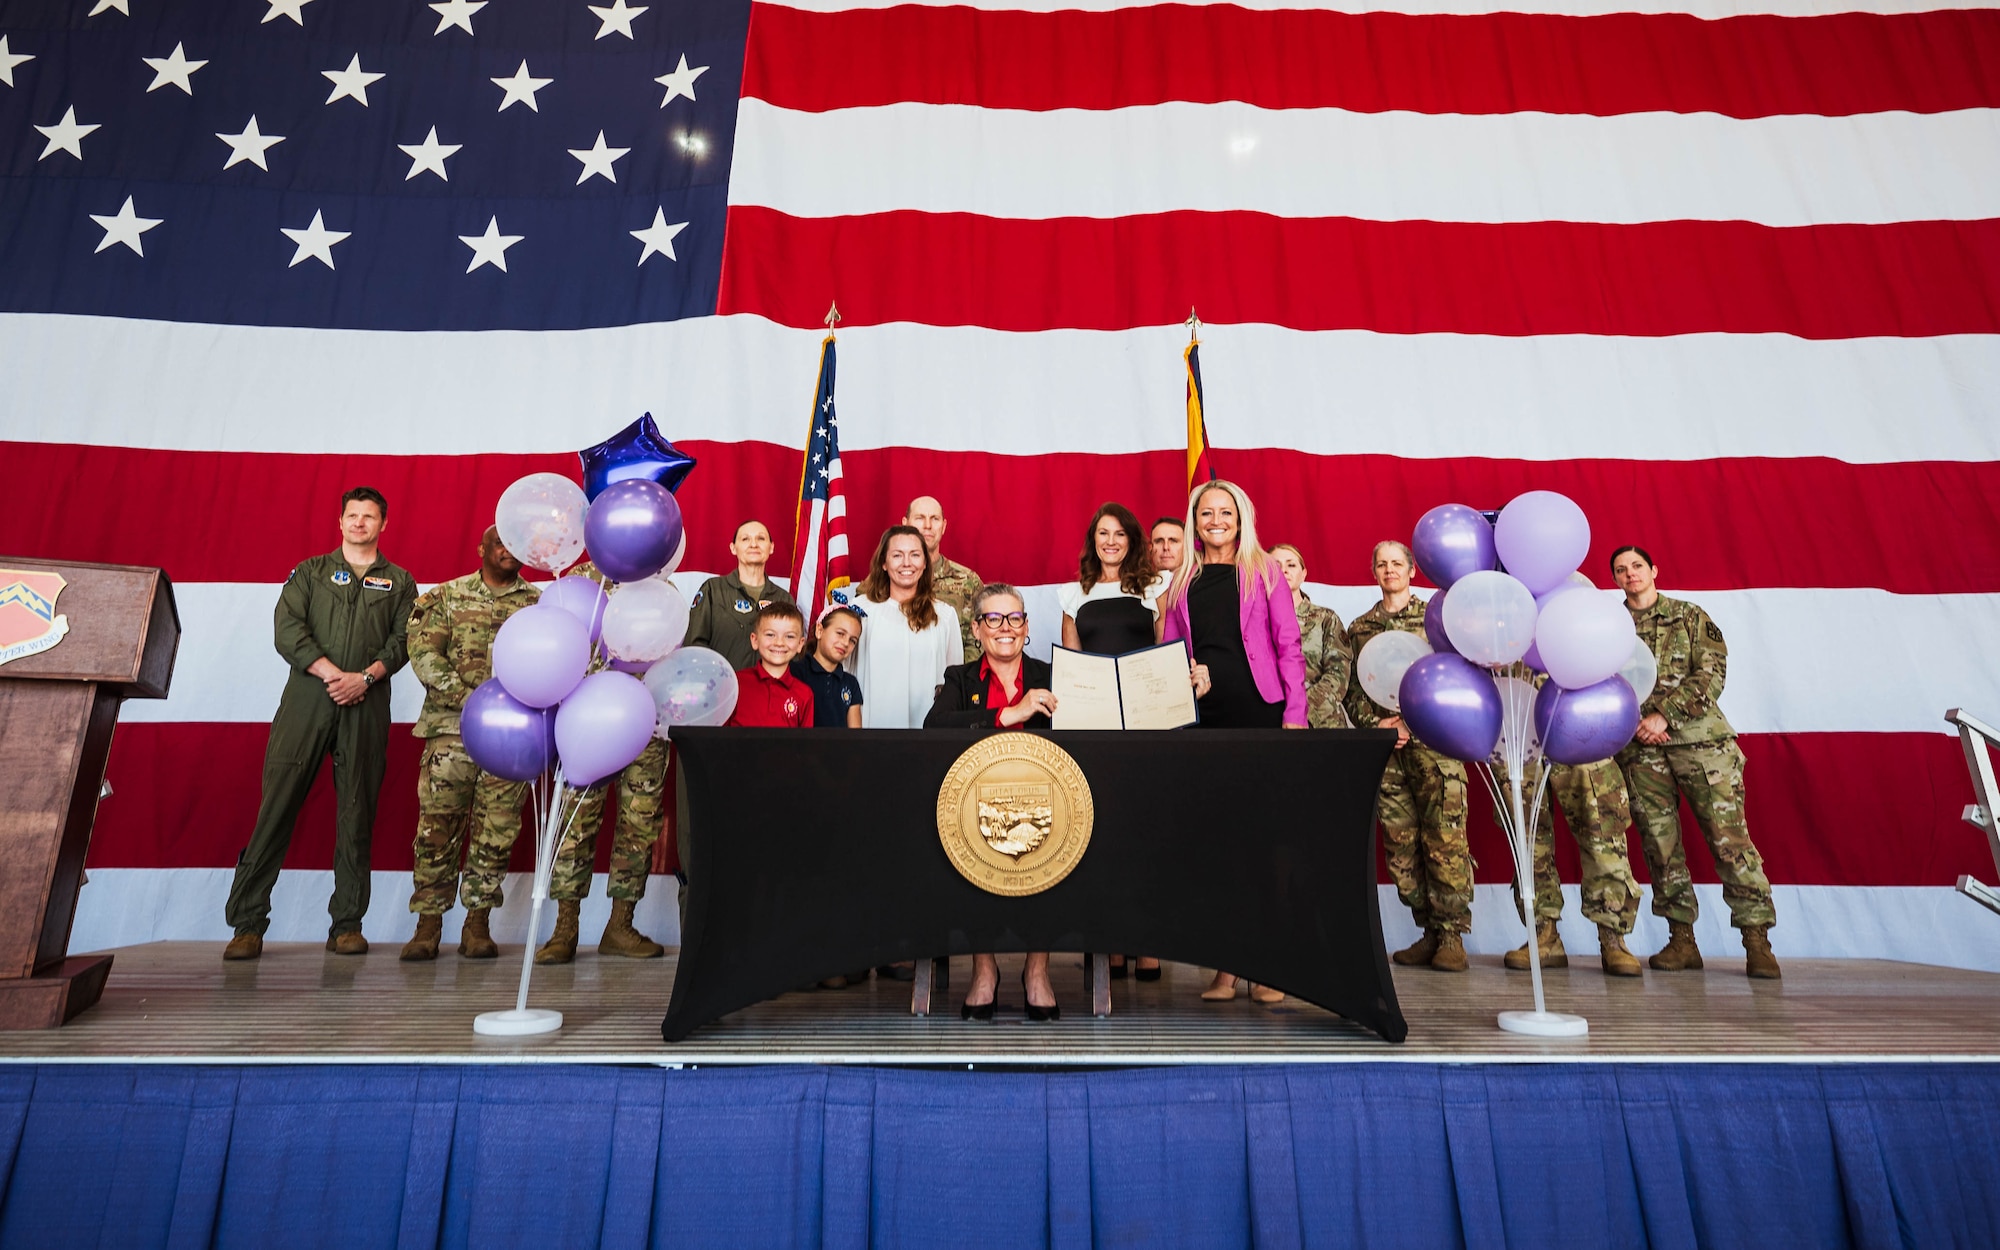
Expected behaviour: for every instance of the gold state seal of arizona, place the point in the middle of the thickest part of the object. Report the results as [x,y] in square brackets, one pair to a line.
[1014,814]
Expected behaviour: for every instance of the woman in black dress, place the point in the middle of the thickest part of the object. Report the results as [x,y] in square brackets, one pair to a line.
[1113,608]
[1231,604]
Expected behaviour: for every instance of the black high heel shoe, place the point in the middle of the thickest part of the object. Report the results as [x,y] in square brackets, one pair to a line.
[980,1011]
[1145,974]
[1034,1013]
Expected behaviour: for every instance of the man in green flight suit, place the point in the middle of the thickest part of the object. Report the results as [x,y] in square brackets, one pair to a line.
[340,625]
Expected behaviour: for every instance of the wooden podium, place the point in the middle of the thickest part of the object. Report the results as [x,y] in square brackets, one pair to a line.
[76,640]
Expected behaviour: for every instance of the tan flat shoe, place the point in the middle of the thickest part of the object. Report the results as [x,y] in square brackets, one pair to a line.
[1265,994]
[1217,992]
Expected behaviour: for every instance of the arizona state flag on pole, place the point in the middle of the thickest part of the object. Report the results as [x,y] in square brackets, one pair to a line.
[1198,467]
[819,534]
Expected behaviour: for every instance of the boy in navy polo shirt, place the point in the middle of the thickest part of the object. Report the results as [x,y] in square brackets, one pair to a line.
[767,695]
[836,692]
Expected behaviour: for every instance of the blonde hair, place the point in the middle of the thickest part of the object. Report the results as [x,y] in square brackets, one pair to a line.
[1254,565]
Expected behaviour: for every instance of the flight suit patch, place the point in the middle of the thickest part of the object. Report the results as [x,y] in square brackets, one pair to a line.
[342,578]
[377,583]
[1714,634]
[744,605]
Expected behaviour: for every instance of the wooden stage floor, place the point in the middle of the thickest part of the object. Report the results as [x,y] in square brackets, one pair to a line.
[178,1002]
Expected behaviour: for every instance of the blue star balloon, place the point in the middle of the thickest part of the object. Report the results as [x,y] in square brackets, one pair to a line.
[638,450]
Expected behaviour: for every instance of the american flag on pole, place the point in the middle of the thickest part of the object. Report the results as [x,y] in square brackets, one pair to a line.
[819,543]
[1727,272]
[1199,468]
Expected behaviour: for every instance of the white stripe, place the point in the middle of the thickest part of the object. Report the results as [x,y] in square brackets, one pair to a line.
[104,381]
[815,520]
[1710,9]
[1800,661]
[836,546]
[1505,167]
[1918,924]
[836,506]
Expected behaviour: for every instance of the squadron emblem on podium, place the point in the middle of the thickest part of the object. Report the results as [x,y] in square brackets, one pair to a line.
[1014,814]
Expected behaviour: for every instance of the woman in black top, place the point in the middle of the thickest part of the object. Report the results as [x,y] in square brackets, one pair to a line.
[1112,607]
[1003,689]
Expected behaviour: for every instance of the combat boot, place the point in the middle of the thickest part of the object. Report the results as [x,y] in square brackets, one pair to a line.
[1450,956]
[1617,961]
[475,939]
[561,946]
[1758,961]
[1680,954]
[424,946]
[620,938]
[1418,955]
[244,946]
[1553,954]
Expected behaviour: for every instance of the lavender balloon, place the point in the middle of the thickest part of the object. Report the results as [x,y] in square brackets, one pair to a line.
[603,725]
[692,686]
[1452,706]
[1584,638]
[582,598]
[632,529]
[540,654]
[1586,725]
[1434,625]
[505,736]
[1542,537]
[1450,541]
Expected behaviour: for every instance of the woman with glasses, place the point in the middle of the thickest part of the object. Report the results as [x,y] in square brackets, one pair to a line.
[1002,689]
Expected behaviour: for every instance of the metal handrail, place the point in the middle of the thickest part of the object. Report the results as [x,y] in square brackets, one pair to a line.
[1975,735]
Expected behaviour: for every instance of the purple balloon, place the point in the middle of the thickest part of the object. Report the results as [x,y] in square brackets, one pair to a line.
[505,736]
[1533,659]
[1452,706]
[1450,541]
[1542,537]
[603,725]
[540,654]
[1589,724]
[632,529]
[635,667]
[1434,625]
[582,598]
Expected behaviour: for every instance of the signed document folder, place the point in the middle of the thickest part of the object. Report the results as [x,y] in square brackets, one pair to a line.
[1146,689]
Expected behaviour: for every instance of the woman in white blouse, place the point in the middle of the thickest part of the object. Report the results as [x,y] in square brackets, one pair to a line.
[1113,607]
[910,639]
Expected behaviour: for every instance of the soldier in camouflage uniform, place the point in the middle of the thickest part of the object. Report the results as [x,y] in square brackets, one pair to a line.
[642,812]
[461,808]
[1595,807]
[1323,639]
[1685,747]
[1422,802]
[950,583]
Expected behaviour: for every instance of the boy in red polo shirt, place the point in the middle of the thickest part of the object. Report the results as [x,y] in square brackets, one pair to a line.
[767,695]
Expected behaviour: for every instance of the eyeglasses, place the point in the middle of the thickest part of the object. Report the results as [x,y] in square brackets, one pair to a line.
[994,620]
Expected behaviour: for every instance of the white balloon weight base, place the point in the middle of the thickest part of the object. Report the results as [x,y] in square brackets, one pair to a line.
[1531,1023]
[525,1021]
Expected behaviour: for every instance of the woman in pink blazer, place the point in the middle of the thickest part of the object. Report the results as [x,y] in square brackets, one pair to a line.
[1233,608]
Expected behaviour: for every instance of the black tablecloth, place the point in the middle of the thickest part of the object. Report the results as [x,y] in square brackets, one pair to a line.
[816,852]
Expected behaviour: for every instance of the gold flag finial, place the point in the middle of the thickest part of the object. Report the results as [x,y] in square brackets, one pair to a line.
[832,316]
[1193,324]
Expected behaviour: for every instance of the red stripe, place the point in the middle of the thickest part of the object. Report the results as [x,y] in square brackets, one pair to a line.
[244,517]
[1398,277]
[1753,66]
[187,797]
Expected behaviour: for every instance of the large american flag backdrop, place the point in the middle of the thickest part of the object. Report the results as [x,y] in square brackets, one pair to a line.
[1729,278]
